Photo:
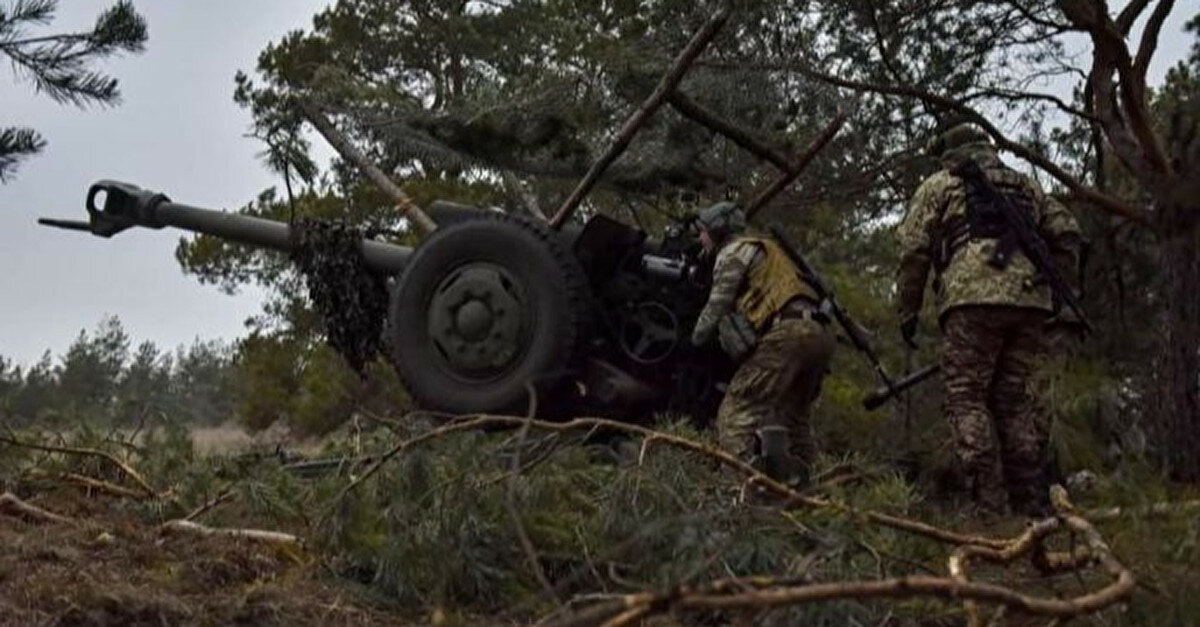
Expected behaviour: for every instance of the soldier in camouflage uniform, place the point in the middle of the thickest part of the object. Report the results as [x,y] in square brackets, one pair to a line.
[768,317]
[992,317]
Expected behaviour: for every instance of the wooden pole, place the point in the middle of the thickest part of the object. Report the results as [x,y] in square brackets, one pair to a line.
[692,110]
[352,154]
[798,166]
[631,127]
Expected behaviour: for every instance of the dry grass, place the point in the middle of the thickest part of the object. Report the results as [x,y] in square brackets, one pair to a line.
[116,570]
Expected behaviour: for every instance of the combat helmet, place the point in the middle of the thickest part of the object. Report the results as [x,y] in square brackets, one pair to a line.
[722,220]
[955,135]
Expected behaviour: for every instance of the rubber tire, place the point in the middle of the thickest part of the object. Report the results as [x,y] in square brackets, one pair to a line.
[555,287]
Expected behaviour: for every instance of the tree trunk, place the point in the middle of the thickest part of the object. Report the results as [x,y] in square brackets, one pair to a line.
[1179,365]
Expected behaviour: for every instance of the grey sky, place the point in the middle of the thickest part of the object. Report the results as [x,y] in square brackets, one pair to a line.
[177,132]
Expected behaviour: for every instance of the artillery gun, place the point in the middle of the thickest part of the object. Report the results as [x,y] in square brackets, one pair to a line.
[493,310]
[595,317]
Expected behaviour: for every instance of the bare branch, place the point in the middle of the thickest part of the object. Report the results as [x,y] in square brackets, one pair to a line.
[257,535]
[1078,189]
[1150,40]
[1005,94]
[510,501]
[125,468]
[1130,14]
[1051,25]
[99,485]
[764,592]
[224,496]
[1129,129]
[9,503]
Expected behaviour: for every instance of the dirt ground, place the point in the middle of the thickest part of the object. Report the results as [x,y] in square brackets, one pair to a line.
[113,570]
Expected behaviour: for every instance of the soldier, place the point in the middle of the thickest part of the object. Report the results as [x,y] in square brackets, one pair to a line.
[992,314]
[769,319]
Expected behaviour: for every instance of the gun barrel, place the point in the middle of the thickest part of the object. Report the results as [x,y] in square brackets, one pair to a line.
[126,206]
[379,256]
[886,393]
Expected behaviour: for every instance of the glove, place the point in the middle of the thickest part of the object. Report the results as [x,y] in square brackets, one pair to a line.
[908,330]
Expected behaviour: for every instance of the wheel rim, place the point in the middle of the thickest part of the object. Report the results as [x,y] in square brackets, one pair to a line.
[477,321]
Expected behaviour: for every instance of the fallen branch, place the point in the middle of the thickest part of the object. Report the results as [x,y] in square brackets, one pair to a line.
[205,507]
[125,468]
[945,588]
[791,496]
[1025,544]
[10,504]
[99,485]
[731,594]
[257,535]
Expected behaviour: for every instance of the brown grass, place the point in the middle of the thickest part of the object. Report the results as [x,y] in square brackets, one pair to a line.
[118,571]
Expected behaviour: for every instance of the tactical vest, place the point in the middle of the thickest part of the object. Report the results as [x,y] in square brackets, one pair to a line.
[773,283]
[983,221]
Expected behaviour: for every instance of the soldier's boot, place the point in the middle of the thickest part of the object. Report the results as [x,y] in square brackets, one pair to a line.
[775,460]
[1030,496]
[1036,505]
[989,493]
[778,463]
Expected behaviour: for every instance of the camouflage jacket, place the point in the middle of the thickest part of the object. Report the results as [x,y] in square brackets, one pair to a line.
[967,278]
[733,265]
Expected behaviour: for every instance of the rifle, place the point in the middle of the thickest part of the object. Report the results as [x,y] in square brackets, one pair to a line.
[857,335]
[1023,234]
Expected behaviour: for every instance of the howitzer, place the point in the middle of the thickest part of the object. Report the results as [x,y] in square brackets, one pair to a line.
[592,316]
[857,335]
[595,316]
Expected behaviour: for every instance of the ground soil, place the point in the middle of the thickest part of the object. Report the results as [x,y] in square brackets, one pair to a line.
[112,569]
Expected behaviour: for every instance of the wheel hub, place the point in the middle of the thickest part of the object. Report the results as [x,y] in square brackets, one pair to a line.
[650,333]
[475,320]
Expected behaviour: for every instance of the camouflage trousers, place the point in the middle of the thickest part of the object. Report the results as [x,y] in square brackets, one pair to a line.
[989,356]
[775,387]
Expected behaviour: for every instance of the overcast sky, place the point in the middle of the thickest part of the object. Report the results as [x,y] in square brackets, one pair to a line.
[177,132]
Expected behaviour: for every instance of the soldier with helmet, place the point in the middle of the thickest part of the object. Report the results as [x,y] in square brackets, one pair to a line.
[768,318]
[992,310]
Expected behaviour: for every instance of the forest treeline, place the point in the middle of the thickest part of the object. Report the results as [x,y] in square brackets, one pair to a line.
[507,103]
[104,379]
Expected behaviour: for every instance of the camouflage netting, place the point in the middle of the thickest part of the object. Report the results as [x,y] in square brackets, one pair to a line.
[351,299]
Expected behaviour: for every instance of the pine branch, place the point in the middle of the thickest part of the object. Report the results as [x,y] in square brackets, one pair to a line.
[57,64]
[30,11]
[17,144]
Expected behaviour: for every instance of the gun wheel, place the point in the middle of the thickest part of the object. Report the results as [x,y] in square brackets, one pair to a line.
[485,307]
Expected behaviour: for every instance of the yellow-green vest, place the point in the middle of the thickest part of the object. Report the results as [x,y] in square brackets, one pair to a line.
[773,283]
